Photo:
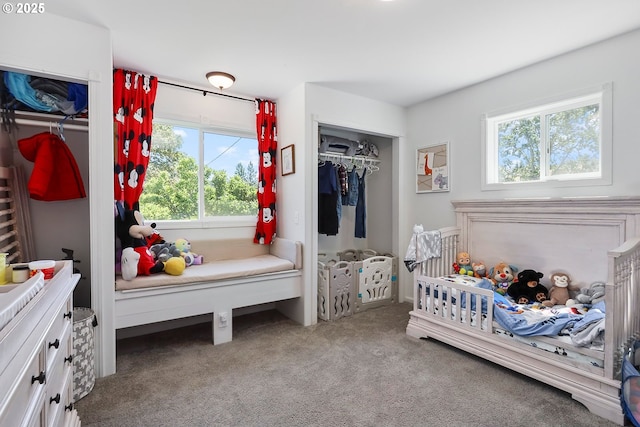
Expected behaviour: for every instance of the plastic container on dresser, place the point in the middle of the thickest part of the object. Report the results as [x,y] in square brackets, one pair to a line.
[36,355]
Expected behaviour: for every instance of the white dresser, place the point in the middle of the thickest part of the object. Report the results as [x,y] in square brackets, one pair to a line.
[36,355]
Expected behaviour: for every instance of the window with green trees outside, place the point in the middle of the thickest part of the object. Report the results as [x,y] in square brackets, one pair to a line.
[197,173]
[563,141]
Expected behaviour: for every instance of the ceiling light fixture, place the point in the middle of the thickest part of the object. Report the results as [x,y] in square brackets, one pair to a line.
[220,79]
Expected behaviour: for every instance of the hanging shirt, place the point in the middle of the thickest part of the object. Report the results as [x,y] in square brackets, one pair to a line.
[327,181]
[342,174]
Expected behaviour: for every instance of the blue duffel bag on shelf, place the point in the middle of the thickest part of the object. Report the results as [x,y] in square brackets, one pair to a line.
[630,393]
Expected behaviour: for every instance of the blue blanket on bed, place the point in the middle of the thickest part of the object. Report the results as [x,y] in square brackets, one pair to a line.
[527,320]
[524,320]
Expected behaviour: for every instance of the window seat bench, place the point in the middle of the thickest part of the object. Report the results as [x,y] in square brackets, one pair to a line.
[235,273]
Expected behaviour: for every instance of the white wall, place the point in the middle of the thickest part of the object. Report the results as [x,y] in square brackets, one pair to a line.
[292,199]
[457,118]
[81,53]
[191,106]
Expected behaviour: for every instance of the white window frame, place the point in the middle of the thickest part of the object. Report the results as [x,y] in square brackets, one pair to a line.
[489,148]
[239,221]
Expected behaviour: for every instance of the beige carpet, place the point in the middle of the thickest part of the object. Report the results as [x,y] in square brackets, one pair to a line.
[358,371]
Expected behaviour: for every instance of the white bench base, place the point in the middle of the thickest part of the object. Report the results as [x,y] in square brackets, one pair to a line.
[150,305]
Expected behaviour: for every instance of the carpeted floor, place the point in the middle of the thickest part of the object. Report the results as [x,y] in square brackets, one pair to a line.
[362,370]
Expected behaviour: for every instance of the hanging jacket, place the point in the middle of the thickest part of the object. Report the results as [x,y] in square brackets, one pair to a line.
[55,174]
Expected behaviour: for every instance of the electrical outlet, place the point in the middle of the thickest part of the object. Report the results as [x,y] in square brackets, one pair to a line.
[223,319]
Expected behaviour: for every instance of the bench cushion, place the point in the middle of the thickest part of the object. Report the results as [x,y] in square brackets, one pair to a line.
[210,271]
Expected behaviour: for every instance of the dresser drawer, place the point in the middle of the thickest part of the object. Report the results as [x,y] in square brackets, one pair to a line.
[59,370]
[25,397]
[59,400]
[62,323]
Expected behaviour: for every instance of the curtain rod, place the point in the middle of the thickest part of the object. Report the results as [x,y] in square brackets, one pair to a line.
[205,92]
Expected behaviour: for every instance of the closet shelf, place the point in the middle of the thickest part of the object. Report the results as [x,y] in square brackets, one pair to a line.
[364,160]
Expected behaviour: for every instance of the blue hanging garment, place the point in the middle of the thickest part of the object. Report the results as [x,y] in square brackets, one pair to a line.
[361,210]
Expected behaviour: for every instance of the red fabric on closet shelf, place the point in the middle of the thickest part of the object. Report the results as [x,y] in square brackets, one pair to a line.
[134,95]
[55,174]
[266,126]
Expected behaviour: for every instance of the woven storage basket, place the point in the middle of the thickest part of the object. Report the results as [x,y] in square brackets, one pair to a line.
[84,376]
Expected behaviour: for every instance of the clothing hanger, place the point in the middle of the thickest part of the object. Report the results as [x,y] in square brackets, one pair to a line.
[61,128]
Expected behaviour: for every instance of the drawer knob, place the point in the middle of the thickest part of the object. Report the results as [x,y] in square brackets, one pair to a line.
[54,399]
[68,359]
[40,378]
[68,314]
[69,407]
[55,344]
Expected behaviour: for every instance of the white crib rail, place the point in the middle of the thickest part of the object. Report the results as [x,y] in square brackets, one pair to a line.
[459,305]
[622,302]
[436,267]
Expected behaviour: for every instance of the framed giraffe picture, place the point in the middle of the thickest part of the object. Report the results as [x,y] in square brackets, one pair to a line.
[432,168]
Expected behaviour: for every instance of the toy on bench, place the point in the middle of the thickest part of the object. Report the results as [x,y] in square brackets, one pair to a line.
[136,258]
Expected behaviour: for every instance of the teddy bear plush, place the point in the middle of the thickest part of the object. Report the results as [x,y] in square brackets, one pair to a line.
[528,289]
[463,264]
[502,276]
[559,291]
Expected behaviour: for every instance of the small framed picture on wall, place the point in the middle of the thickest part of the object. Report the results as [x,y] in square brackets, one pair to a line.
[432,168]
[287,160]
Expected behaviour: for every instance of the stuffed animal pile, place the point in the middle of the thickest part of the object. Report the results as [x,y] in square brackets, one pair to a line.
[526,288]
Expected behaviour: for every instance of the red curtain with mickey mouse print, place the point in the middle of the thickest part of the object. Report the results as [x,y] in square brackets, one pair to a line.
[266,125]
[134,95]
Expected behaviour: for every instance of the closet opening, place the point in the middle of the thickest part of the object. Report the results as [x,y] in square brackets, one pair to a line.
[367,160]
[45,124]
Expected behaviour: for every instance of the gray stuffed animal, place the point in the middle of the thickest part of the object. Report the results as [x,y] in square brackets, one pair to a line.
[591,295]
[164,251]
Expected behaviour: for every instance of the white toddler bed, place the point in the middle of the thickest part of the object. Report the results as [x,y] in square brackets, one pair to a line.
[593,239]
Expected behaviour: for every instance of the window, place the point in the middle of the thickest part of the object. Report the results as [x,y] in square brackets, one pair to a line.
[560,143]
[199,174]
